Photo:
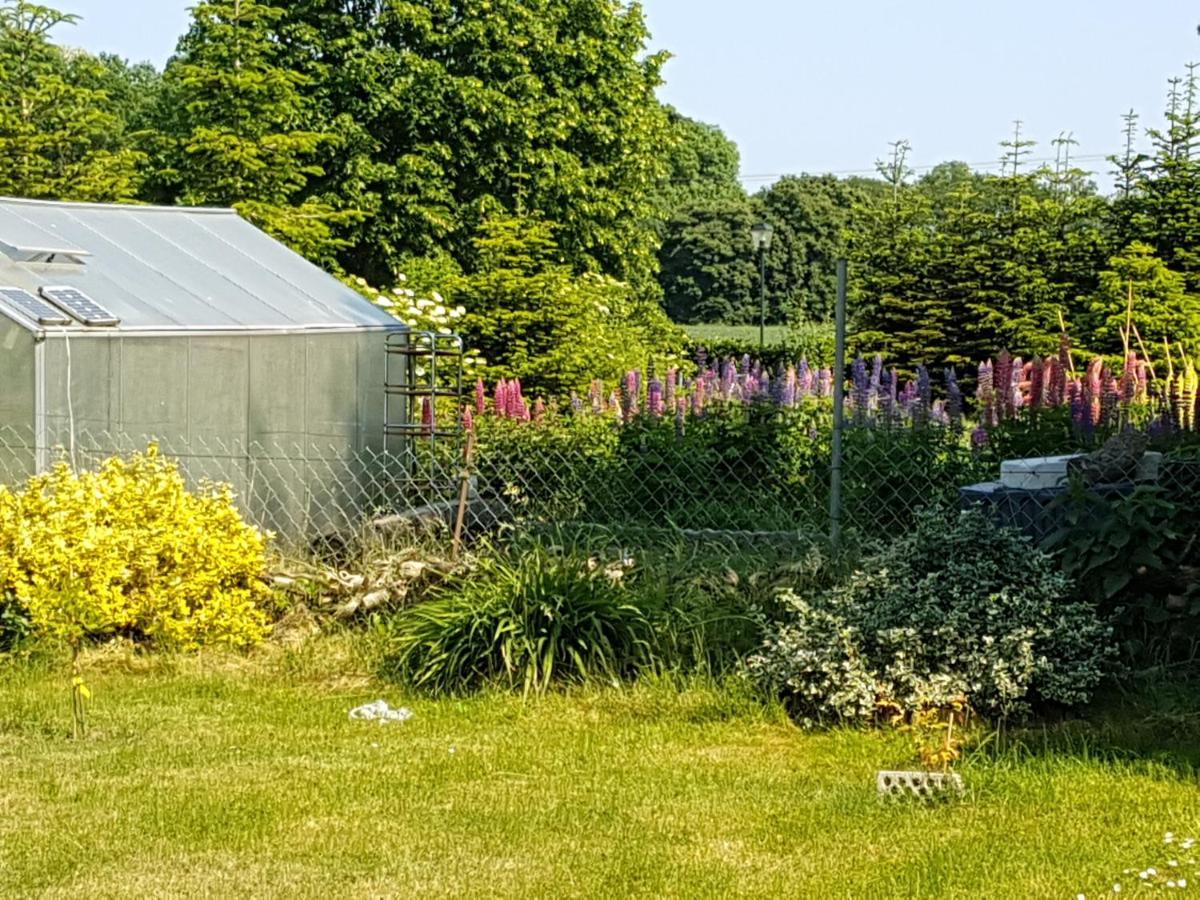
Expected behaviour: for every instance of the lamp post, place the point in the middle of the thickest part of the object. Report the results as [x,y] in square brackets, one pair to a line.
[761,235]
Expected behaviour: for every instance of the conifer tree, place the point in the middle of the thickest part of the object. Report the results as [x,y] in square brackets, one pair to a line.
[61,135]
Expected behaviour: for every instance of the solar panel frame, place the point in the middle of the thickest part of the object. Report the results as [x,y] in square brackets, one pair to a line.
[76,303]
[32,307]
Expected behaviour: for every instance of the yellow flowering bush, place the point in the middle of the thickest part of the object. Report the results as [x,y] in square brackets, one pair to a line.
[129,550]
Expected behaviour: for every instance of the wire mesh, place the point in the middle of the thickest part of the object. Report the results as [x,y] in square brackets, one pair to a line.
[725,475]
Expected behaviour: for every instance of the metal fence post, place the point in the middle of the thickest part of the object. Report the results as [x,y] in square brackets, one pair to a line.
[839,410]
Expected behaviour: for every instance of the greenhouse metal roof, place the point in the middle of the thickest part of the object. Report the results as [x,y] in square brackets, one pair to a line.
[168,269]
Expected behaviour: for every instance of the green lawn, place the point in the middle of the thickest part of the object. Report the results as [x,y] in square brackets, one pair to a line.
[212,777]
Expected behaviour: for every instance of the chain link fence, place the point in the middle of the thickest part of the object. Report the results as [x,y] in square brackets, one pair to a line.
[720,475]
[745,473]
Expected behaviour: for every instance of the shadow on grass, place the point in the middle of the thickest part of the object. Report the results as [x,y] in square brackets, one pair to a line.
[1155,726]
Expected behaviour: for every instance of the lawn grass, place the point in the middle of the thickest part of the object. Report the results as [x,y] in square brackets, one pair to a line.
[217,777]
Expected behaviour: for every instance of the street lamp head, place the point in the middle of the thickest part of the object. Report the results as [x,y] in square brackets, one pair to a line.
[761,234]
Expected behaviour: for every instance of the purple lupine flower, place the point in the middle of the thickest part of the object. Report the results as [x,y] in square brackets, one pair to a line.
[576,403]
[924,394]
[804,378]
[861,389]
[745,366]
[825,383]
[876,382]
[654,401]
[1036,384]
[887,395]
[908,397]
[1110,401]
[728,379]
[1016,393]
[680,415]
[480,397]
[1077,402]
[954,399]
[979,437]
[790,385]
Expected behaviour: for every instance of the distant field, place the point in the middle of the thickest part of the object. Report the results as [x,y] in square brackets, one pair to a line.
[776,334]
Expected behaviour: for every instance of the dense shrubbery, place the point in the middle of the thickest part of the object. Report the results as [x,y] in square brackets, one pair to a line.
[128,550]
[954,607]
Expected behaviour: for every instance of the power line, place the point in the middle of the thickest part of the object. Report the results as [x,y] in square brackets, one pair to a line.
[976,166]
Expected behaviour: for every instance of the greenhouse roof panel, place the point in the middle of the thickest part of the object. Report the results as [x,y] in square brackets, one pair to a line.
[178,268]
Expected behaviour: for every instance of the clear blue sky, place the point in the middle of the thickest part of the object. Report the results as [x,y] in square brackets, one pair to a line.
[811,85]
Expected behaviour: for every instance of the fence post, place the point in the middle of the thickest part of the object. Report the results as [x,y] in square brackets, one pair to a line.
[839,410]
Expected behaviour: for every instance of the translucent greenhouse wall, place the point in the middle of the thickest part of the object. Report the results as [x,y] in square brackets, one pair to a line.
[289,420]
[17,401]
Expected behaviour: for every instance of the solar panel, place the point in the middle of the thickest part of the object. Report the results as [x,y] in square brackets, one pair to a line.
[33,307]
[78,304]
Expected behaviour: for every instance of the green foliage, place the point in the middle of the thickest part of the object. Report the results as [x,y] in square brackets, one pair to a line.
[1133,556]
[238,130]
[955,607]
[531,317]
[531,622]
[62,133]
[1138,287]
[702,168]
[953,266]
[448,114]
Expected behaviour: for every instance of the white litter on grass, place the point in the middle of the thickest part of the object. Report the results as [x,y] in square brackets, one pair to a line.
[380,711]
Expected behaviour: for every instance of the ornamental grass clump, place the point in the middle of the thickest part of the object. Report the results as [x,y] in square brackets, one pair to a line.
[527,621]
[956,607]
[127,550]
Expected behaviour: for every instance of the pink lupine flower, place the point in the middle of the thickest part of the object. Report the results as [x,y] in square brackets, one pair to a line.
[468,419]
[671,387]
[427,420]
[500,399]
[539,410]
[480,397]
[1002,385]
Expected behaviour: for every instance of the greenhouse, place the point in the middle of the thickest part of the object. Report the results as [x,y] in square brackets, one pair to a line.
[122,325]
